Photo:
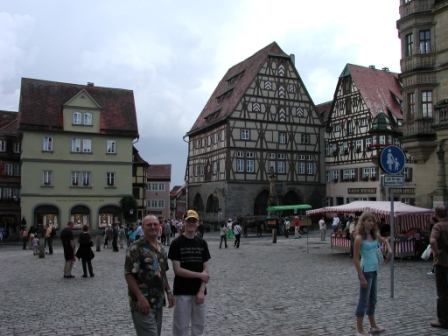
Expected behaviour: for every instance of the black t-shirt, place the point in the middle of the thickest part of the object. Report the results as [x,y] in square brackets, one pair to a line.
[192,254]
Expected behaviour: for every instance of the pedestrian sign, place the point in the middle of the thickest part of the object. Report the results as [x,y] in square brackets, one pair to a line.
[393,180]
[392,160]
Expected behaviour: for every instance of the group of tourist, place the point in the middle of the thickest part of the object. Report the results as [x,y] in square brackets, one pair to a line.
[146,265]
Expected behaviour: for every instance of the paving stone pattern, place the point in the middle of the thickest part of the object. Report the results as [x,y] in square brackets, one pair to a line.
[259,289]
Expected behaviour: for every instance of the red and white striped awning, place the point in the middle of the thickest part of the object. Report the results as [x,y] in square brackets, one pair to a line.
[407,216]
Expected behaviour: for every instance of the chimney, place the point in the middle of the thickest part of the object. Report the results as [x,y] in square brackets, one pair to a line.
[90,84]
[372,67]
[385,69]
[293,58]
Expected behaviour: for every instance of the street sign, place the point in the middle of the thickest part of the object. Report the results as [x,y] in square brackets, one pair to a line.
[392,160]
[393,180]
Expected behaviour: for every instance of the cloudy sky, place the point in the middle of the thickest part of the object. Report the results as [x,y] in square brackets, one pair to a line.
[172,53]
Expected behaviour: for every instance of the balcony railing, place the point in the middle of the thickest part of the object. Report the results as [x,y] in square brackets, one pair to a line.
[441,114]
[417,61]
[420,127]
[416,6]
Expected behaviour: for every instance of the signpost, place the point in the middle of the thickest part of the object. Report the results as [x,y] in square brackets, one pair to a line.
[392,161]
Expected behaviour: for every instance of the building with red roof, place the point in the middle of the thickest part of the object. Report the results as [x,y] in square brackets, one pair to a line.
[10,148]
[76,152]
[256,141]
[363,118]
[158,190]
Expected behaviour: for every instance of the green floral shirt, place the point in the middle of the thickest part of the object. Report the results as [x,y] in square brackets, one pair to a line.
[148,266]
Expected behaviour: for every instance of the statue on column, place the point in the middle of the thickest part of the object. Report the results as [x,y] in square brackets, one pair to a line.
[272,177]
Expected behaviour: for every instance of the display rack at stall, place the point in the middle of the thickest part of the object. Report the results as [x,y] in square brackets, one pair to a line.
[412,223]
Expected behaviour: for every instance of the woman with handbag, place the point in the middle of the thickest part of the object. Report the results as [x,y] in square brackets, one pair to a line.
[85,252]
[366,261]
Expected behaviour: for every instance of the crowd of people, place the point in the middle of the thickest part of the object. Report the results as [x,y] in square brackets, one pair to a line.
[151,243]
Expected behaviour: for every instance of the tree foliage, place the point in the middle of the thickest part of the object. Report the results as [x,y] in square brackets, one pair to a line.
[129,208]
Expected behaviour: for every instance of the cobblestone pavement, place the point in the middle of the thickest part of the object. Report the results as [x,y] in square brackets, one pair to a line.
[259,289]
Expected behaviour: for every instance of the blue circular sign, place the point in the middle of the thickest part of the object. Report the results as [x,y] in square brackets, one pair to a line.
[392,159]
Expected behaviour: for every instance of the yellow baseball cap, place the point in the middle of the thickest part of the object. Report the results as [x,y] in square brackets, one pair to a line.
[191,214]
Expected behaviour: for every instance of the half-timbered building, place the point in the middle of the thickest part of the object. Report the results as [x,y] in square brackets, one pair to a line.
[363,118]
[258,137]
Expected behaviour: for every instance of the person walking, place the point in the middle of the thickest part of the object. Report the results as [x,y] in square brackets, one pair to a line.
[50,232]
[367,238]
[167,230]
[439,246]
[121,236]
[223,235]
[85,252]
[145,269]
[69,249]
[322,228]
[189,255]
[24,235]
[237,231]
[115,237]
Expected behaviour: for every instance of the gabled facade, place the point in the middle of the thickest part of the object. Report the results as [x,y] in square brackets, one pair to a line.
[423,30]
[362,119]
[76,152]
[10,148]
[139,179]
[178,199]
[258,137]
[158,190]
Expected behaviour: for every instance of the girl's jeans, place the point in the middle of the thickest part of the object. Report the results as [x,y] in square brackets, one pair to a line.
[367,296]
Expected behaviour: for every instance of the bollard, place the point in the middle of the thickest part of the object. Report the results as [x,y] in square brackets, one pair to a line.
[41,253]
[98,243]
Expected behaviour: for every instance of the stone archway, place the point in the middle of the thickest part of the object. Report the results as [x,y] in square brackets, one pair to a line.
[261,203]
[45,215]
[108,214]
[198,203]
[291,197]
[212,204]
[80,216]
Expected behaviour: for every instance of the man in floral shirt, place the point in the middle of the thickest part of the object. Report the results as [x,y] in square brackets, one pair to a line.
[145,272]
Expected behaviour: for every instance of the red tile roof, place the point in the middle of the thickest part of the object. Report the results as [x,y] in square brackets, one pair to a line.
[8,123]
[137,159]
[380,89]
[159,172]
[217,110]
[41,104]
[8,120]
[177,191]
[323,110]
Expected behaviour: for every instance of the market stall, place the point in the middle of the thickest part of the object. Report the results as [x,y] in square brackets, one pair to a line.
[411,223]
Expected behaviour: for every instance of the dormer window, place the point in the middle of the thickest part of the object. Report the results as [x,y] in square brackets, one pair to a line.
[82,118]
[87,118]
[76,118]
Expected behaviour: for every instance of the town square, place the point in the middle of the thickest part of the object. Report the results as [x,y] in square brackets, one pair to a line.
[224,168]
[259,289]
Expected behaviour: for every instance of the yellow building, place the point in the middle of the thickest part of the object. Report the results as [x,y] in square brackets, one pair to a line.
[76,152]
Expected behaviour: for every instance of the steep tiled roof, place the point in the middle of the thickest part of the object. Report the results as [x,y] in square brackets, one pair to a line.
[8,120]
[380,89]
[159,172]
[323,110]
[41,104]
[243,73]
[137,159]
[177,191]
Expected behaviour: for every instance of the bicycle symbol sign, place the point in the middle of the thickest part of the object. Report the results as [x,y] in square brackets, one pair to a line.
[392,159]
